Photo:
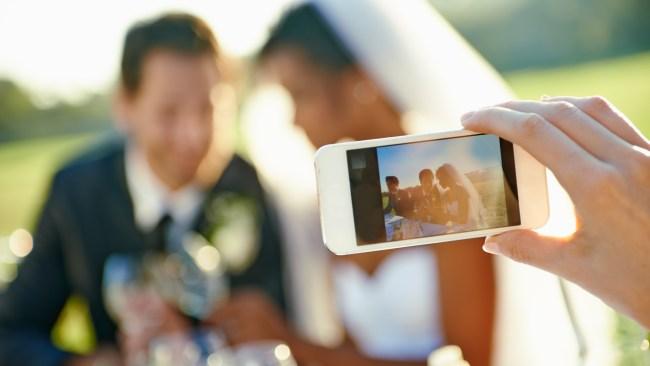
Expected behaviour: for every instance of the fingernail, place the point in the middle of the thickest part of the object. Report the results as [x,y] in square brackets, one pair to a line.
[491,247]
[466,116]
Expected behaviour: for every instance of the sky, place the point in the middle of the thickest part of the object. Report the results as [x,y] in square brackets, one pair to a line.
[69,48]
[466,153]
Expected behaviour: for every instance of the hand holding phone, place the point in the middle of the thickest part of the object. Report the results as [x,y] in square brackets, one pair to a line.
[603,162]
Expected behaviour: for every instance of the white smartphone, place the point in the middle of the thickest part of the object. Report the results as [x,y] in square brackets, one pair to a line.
[422,189]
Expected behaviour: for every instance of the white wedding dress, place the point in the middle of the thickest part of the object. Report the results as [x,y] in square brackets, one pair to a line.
[393,314]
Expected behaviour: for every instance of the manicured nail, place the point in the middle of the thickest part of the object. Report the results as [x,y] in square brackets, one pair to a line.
[466,116]
[491,247]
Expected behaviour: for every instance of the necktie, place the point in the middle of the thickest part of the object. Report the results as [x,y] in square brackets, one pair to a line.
[157,239]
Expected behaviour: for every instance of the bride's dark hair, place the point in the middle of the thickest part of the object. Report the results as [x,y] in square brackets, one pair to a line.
[303,27]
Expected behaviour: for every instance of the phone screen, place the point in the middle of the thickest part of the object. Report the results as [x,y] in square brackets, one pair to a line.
[431,188]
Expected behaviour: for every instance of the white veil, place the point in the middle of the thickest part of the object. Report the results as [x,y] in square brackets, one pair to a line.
[433,76]
[475,219]
[417,58]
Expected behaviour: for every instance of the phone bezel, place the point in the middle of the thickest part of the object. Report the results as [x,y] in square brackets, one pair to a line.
[335,199]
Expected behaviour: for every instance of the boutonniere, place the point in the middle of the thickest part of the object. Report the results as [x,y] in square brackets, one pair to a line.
[231,224]
[227,241]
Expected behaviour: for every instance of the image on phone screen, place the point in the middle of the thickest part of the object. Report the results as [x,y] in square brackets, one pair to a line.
[430,188]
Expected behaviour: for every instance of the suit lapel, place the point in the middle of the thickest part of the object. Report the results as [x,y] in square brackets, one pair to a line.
[120,208]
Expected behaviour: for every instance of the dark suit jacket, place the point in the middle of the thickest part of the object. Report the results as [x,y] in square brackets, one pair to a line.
[88,215]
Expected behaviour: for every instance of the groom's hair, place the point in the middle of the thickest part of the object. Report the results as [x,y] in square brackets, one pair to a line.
[305,28]
[178,32]
[425,173]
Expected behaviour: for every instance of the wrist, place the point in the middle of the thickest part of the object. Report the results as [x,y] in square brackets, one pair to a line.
[296,344]
[309,354]
[305,352]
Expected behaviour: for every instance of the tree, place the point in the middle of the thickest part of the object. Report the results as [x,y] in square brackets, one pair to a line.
[16,106]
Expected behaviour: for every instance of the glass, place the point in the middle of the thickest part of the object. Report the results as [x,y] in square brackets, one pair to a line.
[129,301]
[198,348]
[192,277]
[267,353]
[120,276]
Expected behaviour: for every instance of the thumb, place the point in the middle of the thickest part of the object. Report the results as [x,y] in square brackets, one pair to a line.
[527,246]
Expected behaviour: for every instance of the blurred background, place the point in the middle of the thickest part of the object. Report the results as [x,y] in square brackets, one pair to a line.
[59,62]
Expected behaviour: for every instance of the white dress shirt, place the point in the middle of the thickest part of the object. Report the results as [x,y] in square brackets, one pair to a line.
[152,199]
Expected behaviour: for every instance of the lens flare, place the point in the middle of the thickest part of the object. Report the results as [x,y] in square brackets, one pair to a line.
[21,243]
[282,352]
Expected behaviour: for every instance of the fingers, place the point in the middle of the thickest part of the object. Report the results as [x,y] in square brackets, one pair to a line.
[173,321]
[245,332]
[578,125]
[223,314]
[526,246]
[242,305]
[249,315]
[609,116]
[545,142]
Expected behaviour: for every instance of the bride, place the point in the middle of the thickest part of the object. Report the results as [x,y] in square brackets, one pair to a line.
[461,201]
[360,70]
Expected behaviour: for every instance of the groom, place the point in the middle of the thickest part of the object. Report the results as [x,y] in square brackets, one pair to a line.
[171,174]
[428,201]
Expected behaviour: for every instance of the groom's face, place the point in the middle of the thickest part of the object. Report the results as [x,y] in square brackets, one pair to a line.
[170,116]
[392,186]
[426,180]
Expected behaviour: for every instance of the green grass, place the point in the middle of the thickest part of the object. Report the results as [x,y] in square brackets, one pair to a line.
[624,81]
[26,166]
